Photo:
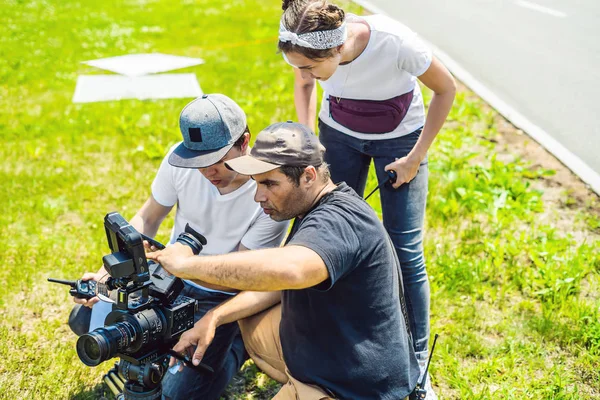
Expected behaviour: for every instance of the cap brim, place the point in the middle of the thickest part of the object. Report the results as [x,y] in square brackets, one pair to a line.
[183,157]
[247,165]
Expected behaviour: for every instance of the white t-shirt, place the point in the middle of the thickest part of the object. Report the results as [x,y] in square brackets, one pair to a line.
[387,68]
[224,220]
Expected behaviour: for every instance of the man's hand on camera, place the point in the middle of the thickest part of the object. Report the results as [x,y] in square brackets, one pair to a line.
[201,336]
[172,257]
[89,276]
[148,248]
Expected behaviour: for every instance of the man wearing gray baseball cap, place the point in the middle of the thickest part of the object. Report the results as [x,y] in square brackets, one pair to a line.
[210,126]
[218,203]
[341,329]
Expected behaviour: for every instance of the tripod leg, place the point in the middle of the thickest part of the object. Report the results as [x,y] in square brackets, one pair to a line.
[111,385]
[113,381]
[116,380]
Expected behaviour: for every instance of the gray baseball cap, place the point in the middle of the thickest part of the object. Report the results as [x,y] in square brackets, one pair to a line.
[210,125]
[284,143]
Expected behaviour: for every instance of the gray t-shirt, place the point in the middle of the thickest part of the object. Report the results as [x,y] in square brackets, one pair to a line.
[348,334]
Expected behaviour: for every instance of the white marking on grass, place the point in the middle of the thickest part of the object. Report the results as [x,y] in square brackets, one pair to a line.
[94,88]
[144,64]
[542,9]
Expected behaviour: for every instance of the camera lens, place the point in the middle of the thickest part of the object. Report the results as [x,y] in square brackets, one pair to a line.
[103,343]
[92,349]
[125,332]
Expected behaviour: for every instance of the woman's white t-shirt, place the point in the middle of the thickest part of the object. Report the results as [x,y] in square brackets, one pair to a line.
[388,67]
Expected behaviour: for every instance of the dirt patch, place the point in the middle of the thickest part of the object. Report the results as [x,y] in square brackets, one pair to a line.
[513,141]
[565,196]
[589,289]
[27,309]
[71,219]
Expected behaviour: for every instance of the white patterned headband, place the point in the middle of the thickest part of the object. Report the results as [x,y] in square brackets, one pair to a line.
[319,40]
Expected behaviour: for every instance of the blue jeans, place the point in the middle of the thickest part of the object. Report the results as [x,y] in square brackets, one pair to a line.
[403,211]
[225,355]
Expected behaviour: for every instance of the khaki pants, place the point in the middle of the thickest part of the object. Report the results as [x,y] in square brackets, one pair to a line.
[261,338]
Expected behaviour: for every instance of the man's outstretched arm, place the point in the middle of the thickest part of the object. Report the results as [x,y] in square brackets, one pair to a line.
[240,306]
[289,267]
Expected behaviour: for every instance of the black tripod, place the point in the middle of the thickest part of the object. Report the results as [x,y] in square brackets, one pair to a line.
[130,379]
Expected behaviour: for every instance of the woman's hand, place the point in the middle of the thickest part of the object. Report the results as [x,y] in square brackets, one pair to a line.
[172,258]
[201,336]
[406,168]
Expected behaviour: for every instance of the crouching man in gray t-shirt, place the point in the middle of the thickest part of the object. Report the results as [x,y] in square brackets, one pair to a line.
[341,329]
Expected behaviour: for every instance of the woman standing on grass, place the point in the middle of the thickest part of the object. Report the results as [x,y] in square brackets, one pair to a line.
[372,108]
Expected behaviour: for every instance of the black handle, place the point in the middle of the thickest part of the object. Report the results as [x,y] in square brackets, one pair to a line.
[200,367]
[153,242]
[392,175]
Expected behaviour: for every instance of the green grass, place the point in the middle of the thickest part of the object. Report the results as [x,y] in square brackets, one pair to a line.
[515,277]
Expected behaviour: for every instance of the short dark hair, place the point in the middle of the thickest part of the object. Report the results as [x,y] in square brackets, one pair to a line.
[238,143]
[294,173]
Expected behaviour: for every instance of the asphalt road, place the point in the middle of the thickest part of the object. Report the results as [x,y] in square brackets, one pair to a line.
[541,57]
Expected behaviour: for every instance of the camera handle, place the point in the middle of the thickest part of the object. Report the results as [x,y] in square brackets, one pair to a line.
[153,242]
[188,363]
[123,293]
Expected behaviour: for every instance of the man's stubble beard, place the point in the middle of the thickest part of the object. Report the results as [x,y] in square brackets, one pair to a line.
[296,203]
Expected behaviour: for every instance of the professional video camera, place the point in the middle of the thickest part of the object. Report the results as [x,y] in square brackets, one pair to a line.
[147,318]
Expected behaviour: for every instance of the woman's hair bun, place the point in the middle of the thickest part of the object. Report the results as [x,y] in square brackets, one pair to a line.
[285,4]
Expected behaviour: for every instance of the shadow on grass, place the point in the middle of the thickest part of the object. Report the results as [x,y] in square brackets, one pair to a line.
[249,382]
[98,392]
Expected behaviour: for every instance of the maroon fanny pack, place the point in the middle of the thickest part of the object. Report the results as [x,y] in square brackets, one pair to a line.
[370,116]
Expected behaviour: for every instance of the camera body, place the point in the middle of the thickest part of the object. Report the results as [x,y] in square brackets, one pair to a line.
[149,314]
[142,334]
[130,270]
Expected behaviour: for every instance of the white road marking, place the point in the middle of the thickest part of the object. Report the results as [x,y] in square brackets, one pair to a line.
[573,162]
[542,9]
